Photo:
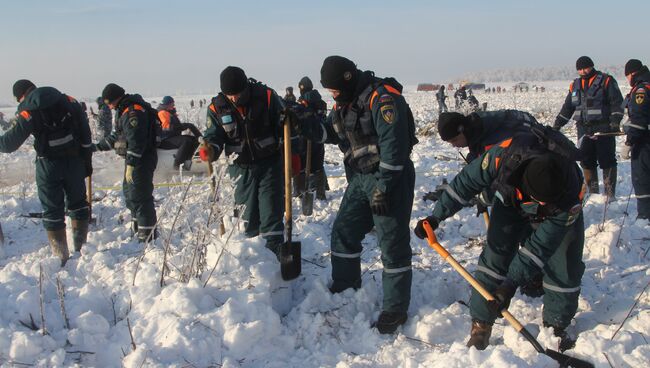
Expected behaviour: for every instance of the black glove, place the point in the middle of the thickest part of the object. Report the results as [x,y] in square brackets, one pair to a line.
[292,118]
[379,203]
[432,196]
[502,294]
[419,228]
[480,208]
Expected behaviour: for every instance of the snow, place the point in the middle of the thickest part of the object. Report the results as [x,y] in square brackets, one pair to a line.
[239,313]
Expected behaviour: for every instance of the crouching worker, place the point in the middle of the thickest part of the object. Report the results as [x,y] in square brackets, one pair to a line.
[63,159]
[172,134]
[538,206]
[134,138]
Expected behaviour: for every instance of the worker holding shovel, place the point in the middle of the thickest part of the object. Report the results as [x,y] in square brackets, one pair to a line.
[539,191]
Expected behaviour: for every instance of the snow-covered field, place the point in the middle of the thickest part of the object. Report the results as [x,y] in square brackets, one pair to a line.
[230,308]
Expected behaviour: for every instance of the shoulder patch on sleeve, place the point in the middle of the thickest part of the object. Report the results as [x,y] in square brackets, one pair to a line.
[639,96]
[486,162]
[388,113]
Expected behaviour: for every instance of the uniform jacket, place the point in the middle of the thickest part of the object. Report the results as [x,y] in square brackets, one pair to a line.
[638,109]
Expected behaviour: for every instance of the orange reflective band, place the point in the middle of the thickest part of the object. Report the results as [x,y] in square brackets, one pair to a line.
[497,161]
[26,115]
[71,99]
[487,148]
[392,90]
[214,110]
[519,195]
[583,191]
[372,98]
[505,143]
[571,87]
[165,119]
[591,80]
[138,107]
[304,103]
[607,81]
[268,97]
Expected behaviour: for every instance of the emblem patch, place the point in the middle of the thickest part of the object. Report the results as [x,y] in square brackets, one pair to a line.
[486,162]
[639,98]
[133,122]
[574,212]
[388,113]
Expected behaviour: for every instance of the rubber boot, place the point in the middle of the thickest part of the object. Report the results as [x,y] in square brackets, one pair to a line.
[298,185]
[59,244]
[480,335]
[147,235]
[609,179]
[134,228]
[591,178]
[320,181]
[79,233]
[389,321]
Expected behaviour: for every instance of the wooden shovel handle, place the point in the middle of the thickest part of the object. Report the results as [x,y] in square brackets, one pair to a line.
[287,170]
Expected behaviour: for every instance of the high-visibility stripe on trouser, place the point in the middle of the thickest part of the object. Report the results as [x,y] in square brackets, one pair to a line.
[562,277]
[507,230]
[259,189]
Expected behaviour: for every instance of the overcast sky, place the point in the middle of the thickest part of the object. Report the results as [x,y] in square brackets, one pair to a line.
[173,47]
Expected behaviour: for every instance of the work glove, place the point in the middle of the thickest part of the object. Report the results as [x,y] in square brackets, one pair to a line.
[502,295]
[437,193]
[128,174]
[207,152]
[292,118]
[626,152]
[419,228]
[379,203]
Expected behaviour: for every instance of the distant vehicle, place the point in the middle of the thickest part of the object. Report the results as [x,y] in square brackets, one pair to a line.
[475,86]
[521,85]
[428,87]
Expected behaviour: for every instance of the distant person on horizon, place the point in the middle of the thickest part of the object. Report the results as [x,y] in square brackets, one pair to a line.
[441,97]
[289,96]
[594,102]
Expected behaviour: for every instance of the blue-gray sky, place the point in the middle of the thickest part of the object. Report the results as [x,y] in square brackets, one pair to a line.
[171,47]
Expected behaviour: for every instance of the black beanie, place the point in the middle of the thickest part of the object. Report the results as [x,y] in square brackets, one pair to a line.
[112,92]
[21,87]
[233,80]
[633,66]
[545,177]
[305,84]
[450,124]
[584,62]
[339,73]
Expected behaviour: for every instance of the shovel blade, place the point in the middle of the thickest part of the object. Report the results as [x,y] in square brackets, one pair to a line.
[290,260]
[568,361]
[308,203]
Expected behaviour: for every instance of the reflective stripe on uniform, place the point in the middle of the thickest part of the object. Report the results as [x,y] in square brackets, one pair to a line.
[397,270]
[560,289]
[490,273]
[364,150]
[86,145]
[635,126]
[270,233]
[53,220]
[60,141]
[594,112]
[133,154]
[345,255]
[391,167]
[268,141]
[78,209]
[642,196]
[146,227]
[533,257]
[617,113]
[564,117]
[454,195]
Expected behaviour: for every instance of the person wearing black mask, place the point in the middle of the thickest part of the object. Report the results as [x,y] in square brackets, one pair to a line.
[245,120]
[595,102]
[373,125]
[637,143]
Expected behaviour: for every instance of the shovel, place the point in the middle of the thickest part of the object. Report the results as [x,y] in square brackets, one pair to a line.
[89,197]
[308,195]
[290,262]
[563,359]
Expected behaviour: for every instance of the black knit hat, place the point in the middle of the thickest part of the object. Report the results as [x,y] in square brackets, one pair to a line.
[633,66]
[339,73]
[545,177]
[305,84]
[112,92]
[233,80]
[584,62]
[21,87]
[451,124]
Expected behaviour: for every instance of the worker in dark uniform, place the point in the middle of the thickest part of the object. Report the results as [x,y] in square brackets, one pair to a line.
[637,142]
[536,226]
[135,139]
[595,102]
[374,127]
[245,120]
[103,118]
[289,97]
[172,134]
[63,158]
[441,97]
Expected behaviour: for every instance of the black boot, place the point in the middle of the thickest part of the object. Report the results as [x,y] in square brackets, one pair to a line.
[566,341]
[535,287]
[147,235]
[389,321]
[480,335]
[79,233]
